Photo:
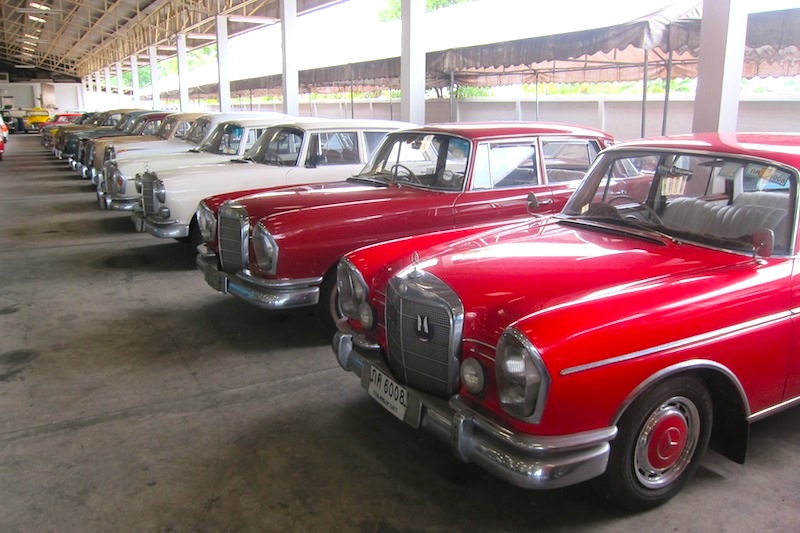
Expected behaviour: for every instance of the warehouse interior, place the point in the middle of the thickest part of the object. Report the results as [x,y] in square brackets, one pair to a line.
[136,399]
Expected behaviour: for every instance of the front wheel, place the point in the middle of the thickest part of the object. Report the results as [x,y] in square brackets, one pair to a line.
[662,438]
[328,310]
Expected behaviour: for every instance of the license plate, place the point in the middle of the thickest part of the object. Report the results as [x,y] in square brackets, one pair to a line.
[388,393]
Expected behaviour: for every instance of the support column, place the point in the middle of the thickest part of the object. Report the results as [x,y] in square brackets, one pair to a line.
[107,75]
[120,85]
[135,80]
[222,65]
[153,52]
[99,103]
[291,75]
[183,73]
[719,70]
[412,62]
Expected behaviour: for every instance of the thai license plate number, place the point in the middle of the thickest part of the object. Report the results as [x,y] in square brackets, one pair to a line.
[387,392]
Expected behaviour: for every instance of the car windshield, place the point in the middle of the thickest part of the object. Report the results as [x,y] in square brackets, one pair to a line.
[432,161]
[136,127]
[720,201]
[224,140]
[166,127]
[278,146]
[198,130]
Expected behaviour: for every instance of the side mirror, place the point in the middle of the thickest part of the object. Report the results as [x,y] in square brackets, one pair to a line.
[533,203]
[763,243]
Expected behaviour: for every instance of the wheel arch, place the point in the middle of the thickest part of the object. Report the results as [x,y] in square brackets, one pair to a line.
[731,409]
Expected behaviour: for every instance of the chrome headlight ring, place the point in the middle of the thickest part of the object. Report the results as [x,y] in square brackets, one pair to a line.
[207,222]
[354,294]
[265,249]
[159,191]
[522,378]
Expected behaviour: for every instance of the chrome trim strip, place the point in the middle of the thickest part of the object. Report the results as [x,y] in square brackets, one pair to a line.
[697,339]
[774,409]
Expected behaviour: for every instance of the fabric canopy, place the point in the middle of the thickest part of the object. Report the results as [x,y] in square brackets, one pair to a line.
[667,41]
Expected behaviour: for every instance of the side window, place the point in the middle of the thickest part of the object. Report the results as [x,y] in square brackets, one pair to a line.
[151,127]
[567,160]
[333,148]
[505,165]
[373,140]
[252,136]
[182,129]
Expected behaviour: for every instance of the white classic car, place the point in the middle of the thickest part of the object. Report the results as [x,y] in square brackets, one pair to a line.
[117,191]
[291,153]
[174,126]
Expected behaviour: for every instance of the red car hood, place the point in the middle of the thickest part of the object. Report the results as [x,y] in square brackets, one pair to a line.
[558,278]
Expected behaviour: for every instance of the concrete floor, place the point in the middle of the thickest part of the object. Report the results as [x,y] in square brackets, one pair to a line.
[134,398]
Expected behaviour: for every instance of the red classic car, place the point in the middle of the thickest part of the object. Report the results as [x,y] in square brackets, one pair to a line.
[279,248]
[614,341]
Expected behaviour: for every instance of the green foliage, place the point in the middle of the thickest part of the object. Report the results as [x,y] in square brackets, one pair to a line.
[679,85]
[393,8]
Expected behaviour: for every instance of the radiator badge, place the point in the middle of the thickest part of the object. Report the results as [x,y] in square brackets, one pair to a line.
[424,332]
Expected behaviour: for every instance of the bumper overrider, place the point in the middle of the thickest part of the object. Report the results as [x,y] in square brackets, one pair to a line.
[165,229]
[267,294]
[527,461]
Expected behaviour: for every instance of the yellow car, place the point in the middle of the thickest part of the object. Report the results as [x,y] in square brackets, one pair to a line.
[33,118]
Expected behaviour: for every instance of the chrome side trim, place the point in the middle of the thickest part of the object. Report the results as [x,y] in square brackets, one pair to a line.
[774,409]
[697,339]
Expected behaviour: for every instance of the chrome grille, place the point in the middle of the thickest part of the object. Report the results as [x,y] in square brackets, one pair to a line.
[424,320]
[148,198]
[233,235]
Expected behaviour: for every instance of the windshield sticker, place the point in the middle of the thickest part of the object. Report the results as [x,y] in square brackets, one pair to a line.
[766,173]
[729,170]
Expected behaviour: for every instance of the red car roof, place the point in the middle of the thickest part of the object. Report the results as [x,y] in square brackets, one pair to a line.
[781,147]
[480,130]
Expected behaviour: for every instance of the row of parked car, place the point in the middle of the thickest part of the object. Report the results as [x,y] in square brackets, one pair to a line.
[556,307]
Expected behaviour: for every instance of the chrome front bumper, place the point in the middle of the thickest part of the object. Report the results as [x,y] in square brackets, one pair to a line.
[121,203]
[267,294]
[528,461]
[166,229]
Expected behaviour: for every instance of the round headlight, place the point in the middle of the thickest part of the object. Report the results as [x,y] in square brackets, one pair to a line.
[472,375]
[265,249]
[163,212]
[206,222]
[522,379]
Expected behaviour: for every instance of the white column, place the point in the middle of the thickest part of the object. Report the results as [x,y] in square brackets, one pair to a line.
[153,52]
[107,76]
[222,65]
[183,73]
[120,85]
[98,100]
[291,76]
[719,71]
[135,80]
[412,62]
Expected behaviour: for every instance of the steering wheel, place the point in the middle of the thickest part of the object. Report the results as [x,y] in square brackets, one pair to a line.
[650,211]
[272,157]
[409,176]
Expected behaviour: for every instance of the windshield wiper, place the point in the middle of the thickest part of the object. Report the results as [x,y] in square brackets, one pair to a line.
[378,179]
[245,159]
[619,225]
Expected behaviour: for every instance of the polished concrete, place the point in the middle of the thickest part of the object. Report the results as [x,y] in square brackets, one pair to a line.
[134,398]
